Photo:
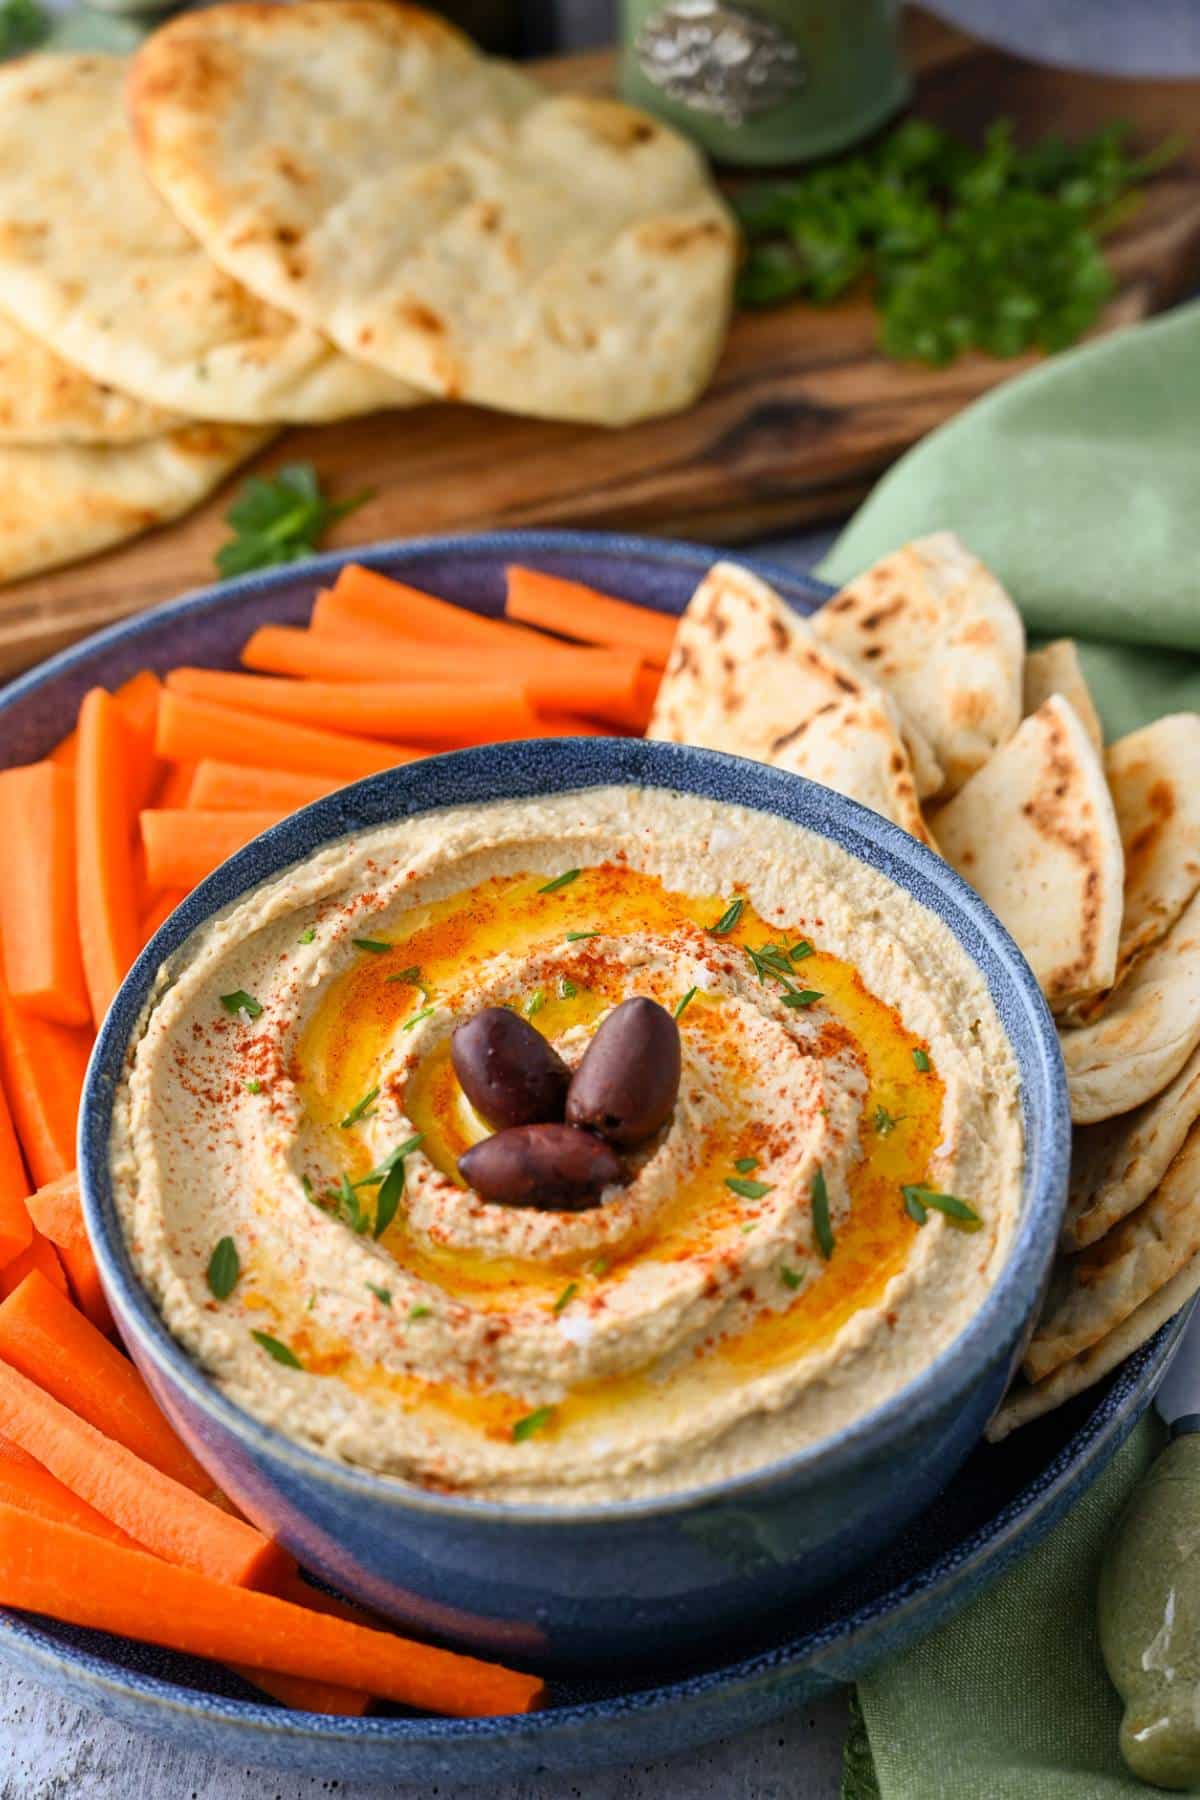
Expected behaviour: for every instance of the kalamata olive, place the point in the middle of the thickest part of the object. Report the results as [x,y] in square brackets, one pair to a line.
[628,1081]
[508,1071]
[554,1167]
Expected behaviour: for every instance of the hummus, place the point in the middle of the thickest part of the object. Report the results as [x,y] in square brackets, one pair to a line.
[761,1280]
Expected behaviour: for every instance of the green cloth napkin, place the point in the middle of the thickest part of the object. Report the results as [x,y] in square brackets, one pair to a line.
[1079,484]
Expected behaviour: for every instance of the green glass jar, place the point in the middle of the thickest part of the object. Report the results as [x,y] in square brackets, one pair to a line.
[776,81]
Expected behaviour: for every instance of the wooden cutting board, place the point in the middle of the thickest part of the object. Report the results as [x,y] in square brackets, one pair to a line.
[801,418]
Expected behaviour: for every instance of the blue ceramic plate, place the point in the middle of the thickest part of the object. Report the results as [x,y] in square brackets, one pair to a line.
[1002,1502]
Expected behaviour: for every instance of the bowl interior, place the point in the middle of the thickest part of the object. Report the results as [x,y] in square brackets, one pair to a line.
[520,770]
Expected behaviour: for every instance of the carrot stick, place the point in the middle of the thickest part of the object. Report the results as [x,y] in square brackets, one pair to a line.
[428,712]
[175,787]
[65,752]
[42,1065]
[193,729]
[43,1336]
[38,1258]
[16,1227]
[24,1483]
[224,787]
[74,1577]
[105,782]
[160,909]
[183,847]
[163,1515]
[56,1211]
[137,701]
[418,615]
[577,611]
[39,918]
[562,677]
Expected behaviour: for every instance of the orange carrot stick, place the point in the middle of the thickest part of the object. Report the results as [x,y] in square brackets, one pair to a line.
[105,782]
[175,787]
[42,1066]
[561,677]
[38,1258]
[79,1579]
[65,751]
[56,1211]
[43,1336]
[24,1483]
[418,615]
[224,787]
[577,611]
[427,713]
[193,729]
[183,847]
[137,702]
[163,1515]
[160,909]
[39,918]
[16,1227]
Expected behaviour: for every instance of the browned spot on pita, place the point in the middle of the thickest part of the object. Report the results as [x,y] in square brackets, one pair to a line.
[420,317]
[981,634]
[873,620]
[780,636]
[1057,815]
[797,731]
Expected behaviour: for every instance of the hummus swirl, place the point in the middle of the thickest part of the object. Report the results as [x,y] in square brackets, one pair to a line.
[760,1279]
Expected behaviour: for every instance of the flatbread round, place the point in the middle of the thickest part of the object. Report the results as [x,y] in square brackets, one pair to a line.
[1034,832]
[1056,669]
[360,165]
[43,400]
[933,628]
[67,501]
[96,266]
[1154,777]
[747,675]
[1118,1164]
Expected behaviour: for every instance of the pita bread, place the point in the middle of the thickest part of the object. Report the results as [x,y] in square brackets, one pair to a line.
[1117,1165]
[1154,777]
[1056,669]
[43,400]
[67,501]
[1024,1403]
[1034,832]
[361,166]
[938,633]
[1145,1031]
[1091,1293]
[96,266]
[747,675]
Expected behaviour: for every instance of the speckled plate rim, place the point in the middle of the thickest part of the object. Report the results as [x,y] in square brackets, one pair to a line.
[784,1675]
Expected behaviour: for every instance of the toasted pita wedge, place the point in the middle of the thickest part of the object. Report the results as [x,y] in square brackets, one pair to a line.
[1056,669]
[1034,832]
[1154,776]
[747,675]
[1144,1033]
[1024,1402]
[1093,1292]
[1117,1165]
[939,634]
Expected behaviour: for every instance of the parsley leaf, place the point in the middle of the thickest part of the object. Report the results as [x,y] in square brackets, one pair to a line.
[387,1201]
[747,1190]
[885,1122]
[535,1002]
[565,1298]
[308,935]
[241,1002]
[280,519]
[566,988]
[921,1061]
[376,946]
[23,23]
[531,1423]
[685,1002]
[279,1351]
[224,1267]
[728,919]
[805,997]
[561,881]
[419,1312]
[822,1229]
[959,1212]
[577,937]
[745,1164]
[790,1278]
[361,1109]
[382,1294]
[426,1012]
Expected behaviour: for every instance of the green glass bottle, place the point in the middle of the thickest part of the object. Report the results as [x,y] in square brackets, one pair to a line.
[772,82]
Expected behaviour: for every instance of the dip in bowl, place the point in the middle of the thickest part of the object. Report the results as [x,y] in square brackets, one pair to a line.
[593,1430]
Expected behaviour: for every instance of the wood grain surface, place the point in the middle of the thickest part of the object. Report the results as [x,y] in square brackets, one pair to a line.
[801,418]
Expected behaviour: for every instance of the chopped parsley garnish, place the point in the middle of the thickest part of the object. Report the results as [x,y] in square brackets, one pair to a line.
[566,989]
[805,997]
[376,946]
[361,1109]
[800,950]
[773,962]
[382,1294]
[577,937]
[306,1184]
[921,1061]
[23,23]
[822,1229]
[565,1298]
[224,1267]
[885,1122]
[599,1266]
[279,1351]
[254,1085]
[387,1201]
[535,1002]
[747,1190]
[308,935]
[241,1002]
[426,1012]
[382,1170]
[728,919]
[790,1278]
[918,1199]
[348,1206]
[412,978]
[686,1002]
[561,881]
[531,1423]
[280,520]
[745,1165]
[419,1312]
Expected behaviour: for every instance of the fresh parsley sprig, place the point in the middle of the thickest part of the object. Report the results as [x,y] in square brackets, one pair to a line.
[23,23]
[280,519]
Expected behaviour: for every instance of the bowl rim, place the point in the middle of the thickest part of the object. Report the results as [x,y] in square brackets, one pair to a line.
[588,763]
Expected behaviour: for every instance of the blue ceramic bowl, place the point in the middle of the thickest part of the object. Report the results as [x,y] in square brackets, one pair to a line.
[563,1588]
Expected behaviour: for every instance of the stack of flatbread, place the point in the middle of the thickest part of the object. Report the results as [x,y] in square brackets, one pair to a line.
[912,691]
[280,215]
